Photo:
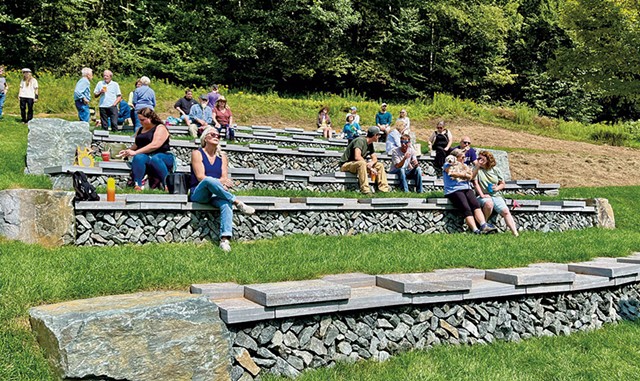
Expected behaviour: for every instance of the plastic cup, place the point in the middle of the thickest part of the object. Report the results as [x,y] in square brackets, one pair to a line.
[106,156]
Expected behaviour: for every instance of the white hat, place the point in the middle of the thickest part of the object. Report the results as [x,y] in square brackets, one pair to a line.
[26,70]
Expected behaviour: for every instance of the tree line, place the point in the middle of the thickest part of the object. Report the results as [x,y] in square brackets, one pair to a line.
[572,59]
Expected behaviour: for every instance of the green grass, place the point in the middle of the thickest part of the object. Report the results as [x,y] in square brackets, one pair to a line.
[31,275]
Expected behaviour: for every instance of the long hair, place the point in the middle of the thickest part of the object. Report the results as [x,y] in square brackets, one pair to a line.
[491,161]
[27,77]
[149,113]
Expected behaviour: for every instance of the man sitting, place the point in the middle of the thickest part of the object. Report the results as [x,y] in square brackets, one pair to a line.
[405,164]
[201,116]
[184,104]
[470,156]
[354,160]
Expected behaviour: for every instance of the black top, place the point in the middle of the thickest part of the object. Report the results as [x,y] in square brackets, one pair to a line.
[185,104]
[144,139]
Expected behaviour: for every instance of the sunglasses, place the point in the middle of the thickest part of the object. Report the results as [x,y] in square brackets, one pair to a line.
[466,142]
[405,141]
[214,135]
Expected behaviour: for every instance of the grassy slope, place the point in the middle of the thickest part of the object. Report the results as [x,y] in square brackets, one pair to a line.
[31,275]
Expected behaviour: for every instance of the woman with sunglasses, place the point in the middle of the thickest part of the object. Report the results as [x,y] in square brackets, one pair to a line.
[210,183]
[440,141]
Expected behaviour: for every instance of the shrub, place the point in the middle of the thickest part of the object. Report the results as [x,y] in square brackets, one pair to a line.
[614,138]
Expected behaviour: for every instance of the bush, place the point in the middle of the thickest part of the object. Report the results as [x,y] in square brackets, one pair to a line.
[613,138]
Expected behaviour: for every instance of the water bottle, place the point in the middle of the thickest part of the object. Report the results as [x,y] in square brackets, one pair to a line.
[490,188]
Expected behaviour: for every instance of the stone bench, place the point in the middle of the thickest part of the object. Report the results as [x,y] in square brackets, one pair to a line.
[287,179]
[270,158]
[242,332]
[148,218]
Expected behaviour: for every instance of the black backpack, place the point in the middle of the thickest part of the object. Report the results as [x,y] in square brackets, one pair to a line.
[84,190]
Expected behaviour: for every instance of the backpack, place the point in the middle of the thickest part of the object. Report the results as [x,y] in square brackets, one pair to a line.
[84,190]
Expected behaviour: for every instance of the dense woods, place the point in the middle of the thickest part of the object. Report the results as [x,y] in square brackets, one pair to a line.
[573,59]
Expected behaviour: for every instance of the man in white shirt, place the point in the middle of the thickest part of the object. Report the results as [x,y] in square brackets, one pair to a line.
[110,96]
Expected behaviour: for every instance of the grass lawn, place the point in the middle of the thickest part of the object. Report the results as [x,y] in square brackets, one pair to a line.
[31,275]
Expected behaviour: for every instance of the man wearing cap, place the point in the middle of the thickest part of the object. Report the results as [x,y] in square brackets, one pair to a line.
[82,94]
[470,155]
[354,160]
[201,116]
[383,120]
[110,96]
[405,164]
[354,111]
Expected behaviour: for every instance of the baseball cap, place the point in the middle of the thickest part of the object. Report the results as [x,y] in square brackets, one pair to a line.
[384,104]
[26,70]
[204,97]
[373,131]
[353,108]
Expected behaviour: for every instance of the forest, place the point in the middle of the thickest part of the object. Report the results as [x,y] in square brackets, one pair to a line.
[571,59]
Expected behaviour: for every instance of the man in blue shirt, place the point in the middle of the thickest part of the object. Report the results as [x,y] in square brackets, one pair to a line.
[110,96]
[470,155]
[383,121]
[82,94]
[201,116]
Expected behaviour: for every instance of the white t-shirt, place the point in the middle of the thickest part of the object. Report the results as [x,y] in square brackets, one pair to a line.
[28,90]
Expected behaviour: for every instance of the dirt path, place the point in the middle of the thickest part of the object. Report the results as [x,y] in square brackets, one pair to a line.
[571,164]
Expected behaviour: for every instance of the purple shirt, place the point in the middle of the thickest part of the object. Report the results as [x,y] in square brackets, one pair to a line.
[213,98]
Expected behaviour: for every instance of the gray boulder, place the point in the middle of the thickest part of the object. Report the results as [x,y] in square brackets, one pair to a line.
[145,336]
[37,216]
[53,142]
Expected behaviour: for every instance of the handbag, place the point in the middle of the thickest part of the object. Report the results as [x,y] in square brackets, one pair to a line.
[177,183]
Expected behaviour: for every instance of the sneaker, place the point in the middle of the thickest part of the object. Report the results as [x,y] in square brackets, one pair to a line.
[477,231]
[225,245]
[488,228]
[244,208]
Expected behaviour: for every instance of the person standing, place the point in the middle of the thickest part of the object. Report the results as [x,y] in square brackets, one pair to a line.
[82,94]
[143,97]
[3,90]
[440,141]
[28,95]
[213,96]
[109,93]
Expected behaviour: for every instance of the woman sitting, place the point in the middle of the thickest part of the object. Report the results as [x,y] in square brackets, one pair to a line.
[223,118]
[351,129]
[489,183]
[209,183]
[150,152]
[457,188]
[324,122]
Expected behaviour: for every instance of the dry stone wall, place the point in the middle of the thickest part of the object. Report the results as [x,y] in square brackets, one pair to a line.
[287,347]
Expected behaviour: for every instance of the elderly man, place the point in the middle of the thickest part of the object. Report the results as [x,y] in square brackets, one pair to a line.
[110,96]
[405,163]
[354,160]
[82,94]
[470,155]
[201,116]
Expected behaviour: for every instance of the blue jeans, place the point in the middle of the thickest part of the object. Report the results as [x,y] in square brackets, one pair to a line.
[2,98]
[136,122]
[415,174]
[83,110]
[158,163]
[211,191]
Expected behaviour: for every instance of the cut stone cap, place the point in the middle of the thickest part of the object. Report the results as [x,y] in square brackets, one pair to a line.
[605,268]
[352,279]
[423,282]
[529,276]
[296,292]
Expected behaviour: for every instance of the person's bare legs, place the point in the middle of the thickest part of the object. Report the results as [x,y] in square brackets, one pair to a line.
[471,223]
[508,218]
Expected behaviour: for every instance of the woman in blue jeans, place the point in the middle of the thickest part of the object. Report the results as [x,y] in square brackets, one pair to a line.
[150,152]
[210,183]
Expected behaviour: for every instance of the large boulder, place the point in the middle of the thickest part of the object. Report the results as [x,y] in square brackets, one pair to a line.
[164,335]
[37,216]
[502,161]
[53,142]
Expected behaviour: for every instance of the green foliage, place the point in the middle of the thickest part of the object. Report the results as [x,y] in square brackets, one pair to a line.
[610,137]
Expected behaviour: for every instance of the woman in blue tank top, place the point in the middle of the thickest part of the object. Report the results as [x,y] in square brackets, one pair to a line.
[210,183]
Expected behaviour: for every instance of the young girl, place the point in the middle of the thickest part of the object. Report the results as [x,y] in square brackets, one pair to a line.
[28,95]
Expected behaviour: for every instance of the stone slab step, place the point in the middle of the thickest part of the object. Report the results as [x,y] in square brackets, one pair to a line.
[418,283]
[610,269]
[296,292]
[530,276]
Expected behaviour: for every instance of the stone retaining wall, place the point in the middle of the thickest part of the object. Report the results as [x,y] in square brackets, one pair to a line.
[139,221]
[288,347]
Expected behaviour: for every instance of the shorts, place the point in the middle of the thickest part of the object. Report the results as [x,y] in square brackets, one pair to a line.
[499,205]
